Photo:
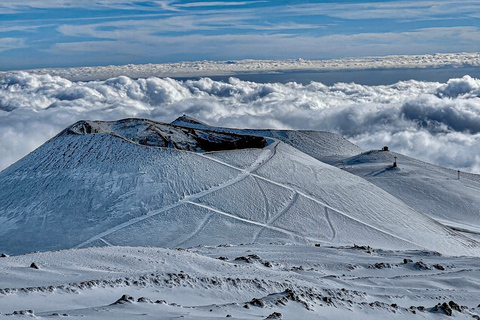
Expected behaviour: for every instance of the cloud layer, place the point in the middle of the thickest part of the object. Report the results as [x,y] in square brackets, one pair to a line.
[435,122]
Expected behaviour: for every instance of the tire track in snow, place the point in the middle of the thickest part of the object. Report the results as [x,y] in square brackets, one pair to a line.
[319,202]
[263,158]
[285,209]
[274,218]
[197,230]
[334,232]
[104,241]
[265,199]
[290,233]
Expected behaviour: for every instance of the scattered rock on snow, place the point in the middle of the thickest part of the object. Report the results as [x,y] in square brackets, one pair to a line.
[4,255]
[34,266]
[299,268]
[257,303]
[454,306]
[443,307]
[275,315]
[367,249]
[249,259]
[23,313]
[439,267]
[431,253]
[447,308]
[420,265]
[125,299]
[380,265]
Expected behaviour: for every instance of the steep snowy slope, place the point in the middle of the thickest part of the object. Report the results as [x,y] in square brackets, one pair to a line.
[427,188]
[104,183]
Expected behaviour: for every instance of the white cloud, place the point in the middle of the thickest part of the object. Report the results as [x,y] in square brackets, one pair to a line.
[436,122]
[91,4]
[217,3]
[140,37]
[11,43]
[405,10]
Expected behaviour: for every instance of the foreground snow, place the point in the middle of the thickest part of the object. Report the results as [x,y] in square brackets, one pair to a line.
[246,282]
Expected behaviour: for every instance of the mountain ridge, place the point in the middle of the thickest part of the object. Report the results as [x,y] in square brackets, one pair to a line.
[91,186]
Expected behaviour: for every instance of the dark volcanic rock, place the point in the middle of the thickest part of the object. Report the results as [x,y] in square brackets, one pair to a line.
[156,134]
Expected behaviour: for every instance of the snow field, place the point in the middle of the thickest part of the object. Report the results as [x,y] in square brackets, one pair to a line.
[296,281]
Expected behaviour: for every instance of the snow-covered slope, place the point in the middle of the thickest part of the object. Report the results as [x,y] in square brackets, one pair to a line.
[435,191]
[115,183]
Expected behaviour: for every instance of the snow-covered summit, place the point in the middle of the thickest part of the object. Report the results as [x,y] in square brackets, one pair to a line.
[184,119]
[135,182]
[321,145]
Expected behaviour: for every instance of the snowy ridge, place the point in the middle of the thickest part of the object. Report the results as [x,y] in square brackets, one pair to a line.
[154,134]
[321,145]
[97,181]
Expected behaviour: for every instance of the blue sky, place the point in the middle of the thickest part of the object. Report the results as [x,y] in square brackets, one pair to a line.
[63,33]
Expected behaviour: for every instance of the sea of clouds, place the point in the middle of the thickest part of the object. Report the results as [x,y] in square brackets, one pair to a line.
[435,122]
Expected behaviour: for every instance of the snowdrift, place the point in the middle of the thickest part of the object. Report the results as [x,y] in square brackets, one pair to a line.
[141,183]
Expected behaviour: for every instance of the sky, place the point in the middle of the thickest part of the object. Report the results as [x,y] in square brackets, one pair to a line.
[69,33]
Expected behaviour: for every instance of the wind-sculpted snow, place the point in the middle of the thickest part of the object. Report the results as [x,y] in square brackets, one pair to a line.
[268,281]
[434,122]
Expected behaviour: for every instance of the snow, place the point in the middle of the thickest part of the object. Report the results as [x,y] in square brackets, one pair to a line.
[98,182]
[307,226]
[429,189]
[297,281]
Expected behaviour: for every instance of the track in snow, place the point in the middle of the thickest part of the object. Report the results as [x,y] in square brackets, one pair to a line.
[278,215]
[290,233]
[268,152]
[334,232]
[301,193]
